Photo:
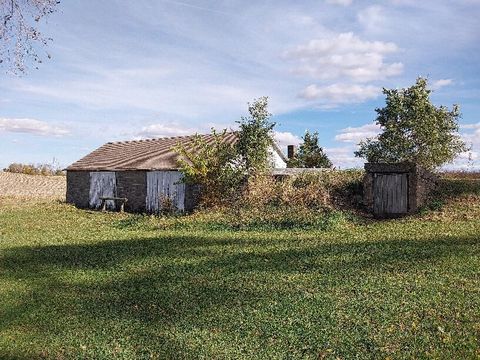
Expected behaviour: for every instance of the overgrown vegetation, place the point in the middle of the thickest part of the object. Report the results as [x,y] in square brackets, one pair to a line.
[35,169]
[415,130]
[308,201]
[235,179]
[224,171]
[213,166]
[84,284]
[310,154]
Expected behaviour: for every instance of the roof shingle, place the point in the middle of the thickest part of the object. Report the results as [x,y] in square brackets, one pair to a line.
[150,154]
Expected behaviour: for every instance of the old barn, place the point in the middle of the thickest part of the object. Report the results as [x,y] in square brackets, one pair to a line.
[144,172]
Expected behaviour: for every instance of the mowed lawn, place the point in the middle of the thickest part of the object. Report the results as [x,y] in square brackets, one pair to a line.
[83,284]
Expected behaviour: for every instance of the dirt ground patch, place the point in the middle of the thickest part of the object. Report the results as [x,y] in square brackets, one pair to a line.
[32,186]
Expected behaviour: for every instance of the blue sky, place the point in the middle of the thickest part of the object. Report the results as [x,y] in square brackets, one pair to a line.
[124,70]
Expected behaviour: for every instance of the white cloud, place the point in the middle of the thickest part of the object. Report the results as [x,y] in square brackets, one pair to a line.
[345,56]
[471,126]
[441,83]
[339,2]
[174,128]
[343,157]
[356,134]
[372,18]
[32,126]
[340,93]
[286,138]
[472,135]
[472,138]
[167,129]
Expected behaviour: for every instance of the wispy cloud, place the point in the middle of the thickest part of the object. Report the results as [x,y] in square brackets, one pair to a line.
[32,126]
[356,134]
[345,56]
[284,138]
[343,157]
[165,130]
[436,85]
[339,2]
[340,93]
[372,18]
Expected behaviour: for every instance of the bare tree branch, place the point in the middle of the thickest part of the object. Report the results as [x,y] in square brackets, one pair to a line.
[20,38]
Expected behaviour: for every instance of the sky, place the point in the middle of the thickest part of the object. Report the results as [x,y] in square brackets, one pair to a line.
[123,70]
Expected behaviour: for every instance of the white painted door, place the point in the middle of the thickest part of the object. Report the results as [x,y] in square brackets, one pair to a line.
[102,183]
[163,186]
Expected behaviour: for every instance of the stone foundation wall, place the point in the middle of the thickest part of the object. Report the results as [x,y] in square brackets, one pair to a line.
[129,184]
[78,188]
[133,186]
[426,183]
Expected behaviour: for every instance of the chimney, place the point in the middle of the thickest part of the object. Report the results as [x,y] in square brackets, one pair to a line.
[291,150]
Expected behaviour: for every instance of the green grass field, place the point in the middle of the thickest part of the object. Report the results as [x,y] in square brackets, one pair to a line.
[82,284]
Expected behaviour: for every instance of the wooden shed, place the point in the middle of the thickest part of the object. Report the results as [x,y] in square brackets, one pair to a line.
[145,172]
[392,190]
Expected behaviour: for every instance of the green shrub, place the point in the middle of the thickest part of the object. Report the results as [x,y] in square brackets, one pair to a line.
[212,166]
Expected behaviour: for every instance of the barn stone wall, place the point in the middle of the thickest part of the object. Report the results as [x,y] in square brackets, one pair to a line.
[78,188]
[129,184]
[133,186]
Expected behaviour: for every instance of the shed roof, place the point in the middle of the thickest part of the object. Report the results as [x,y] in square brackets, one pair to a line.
[149,154]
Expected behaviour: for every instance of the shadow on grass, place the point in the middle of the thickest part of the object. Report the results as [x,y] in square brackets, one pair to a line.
[154,292]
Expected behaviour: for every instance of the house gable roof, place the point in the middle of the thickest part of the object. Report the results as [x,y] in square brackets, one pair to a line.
[149,154]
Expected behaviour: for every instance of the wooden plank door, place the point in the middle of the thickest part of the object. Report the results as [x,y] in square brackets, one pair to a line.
[390,194]
[163,185]
[102,183]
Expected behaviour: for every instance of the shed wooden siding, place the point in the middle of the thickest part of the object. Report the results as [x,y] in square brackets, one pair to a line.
[102,183]
[390,194]
[166,184]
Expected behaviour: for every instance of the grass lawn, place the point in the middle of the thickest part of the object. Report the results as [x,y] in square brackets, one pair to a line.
[82,284]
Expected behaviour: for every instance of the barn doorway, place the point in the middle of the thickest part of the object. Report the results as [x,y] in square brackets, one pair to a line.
[102,184]
[165,188]
[390,194]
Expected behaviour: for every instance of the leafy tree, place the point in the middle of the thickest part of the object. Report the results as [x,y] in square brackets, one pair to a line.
[413,129]
[19,34]
[210,165]
[255,137]
[310,154]
[222,169]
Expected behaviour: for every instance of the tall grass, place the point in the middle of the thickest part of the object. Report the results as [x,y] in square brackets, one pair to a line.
[305,201]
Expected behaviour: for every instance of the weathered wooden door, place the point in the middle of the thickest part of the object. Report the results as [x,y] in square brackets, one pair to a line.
[162,187]
[390,194]
[102,183]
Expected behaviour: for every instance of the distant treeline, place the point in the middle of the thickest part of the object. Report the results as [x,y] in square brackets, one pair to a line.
[35,169]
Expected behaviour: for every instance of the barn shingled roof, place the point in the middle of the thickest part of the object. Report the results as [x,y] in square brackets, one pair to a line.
[148,154]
